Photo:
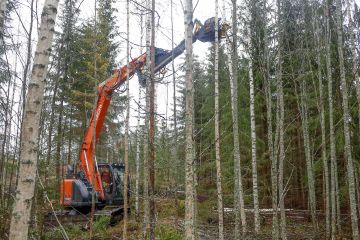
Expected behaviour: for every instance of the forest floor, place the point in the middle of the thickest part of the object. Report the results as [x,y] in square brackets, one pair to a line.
[170,226]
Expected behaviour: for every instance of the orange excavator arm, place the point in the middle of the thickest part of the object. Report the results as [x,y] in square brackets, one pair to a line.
[88,164]
[105,90]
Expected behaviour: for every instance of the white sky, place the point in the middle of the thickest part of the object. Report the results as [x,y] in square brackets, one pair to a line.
[204,10]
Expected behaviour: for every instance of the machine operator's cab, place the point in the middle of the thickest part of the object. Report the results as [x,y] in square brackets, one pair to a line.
[112,177]
[76,190]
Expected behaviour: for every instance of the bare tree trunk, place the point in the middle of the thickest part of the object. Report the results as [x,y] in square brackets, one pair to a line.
[137,160]
[333,161]
[152,125]
[30,129]
[309,167]
[138,139]
[233,63]
[273,159]
[280,127]
[126,144]
[175,152]
[189,128]
[253,137]
[323,127]
[217,128]
[346,119]
[355,61]
[146,132]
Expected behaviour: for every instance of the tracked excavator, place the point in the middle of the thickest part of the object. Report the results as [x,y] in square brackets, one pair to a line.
[106,179]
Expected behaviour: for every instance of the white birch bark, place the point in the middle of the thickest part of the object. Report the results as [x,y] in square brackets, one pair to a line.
[189,131]
[253,137]
[217,129]
[346,119]
[30,129]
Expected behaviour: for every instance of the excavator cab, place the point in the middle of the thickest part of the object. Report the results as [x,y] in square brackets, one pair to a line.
[76,190]
[112,177]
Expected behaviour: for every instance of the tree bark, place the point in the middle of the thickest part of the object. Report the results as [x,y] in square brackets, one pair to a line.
[253,137]
[146,132]
[152,125]
[217,129]
[321,108]
[126,144]
[309,167]
[233,63]
[346,119]
[30,129]
[280,126]
[189,127]
[333,161]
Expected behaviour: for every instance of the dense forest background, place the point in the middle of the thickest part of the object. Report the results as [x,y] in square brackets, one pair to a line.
[299,57]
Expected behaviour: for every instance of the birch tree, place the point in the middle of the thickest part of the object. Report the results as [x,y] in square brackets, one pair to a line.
[189,127]
[346,119]
[253,134]
[217,128]
[30,129]
[233,63]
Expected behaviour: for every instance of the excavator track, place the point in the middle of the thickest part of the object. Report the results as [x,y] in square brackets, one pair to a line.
[73,217]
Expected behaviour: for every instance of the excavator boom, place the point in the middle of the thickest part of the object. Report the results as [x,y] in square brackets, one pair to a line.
[88,164]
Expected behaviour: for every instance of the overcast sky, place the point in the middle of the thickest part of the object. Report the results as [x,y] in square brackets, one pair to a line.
[204,10]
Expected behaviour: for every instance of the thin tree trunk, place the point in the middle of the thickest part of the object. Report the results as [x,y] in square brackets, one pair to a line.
[346,119]
[323,128]
[126,144]
[146,132]
[253,137]
[189,127]
[138,131]
[152,125]
[175,157]
[355,61]
[273,159]
[217,129]
[309,167]
[280,127]
[30,129]
[333,161]
[233,63]
[137,159]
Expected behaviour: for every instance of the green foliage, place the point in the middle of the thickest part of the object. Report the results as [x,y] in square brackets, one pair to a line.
[166,232]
